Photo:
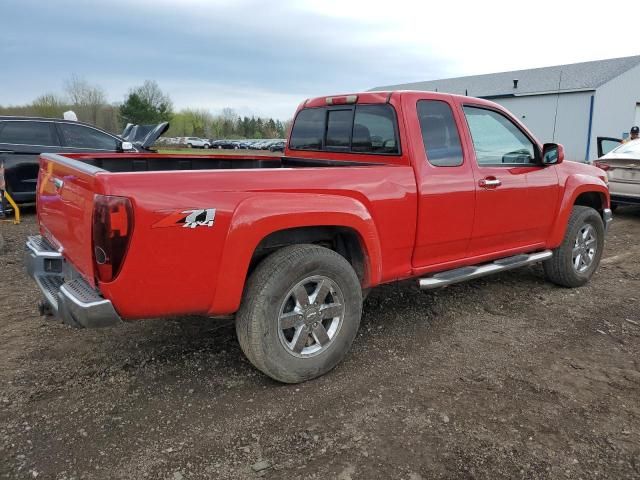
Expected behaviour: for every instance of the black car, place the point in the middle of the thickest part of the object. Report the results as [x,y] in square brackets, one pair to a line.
[226,144]
[23,139]
[277,146]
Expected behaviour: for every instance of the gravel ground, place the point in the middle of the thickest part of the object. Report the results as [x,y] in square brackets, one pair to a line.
[504,377]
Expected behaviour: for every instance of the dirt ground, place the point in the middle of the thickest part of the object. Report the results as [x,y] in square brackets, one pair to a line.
[504,377]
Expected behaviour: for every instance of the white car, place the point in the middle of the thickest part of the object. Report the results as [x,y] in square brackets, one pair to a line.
[622,165]
[195,142]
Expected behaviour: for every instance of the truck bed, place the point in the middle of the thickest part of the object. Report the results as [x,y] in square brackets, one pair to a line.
[161,162]
[246,198]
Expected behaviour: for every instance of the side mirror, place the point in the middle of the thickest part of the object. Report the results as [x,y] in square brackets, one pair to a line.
[552,154]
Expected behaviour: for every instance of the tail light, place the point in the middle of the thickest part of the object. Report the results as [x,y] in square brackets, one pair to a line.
[601,165]
[112,229]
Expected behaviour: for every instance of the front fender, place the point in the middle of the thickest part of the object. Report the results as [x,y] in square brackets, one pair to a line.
[257,217]
[575,185]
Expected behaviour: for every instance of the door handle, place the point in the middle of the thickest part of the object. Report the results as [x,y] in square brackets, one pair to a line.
[490,182]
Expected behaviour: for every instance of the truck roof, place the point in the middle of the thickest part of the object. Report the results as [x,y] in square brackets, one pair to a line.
[370,97]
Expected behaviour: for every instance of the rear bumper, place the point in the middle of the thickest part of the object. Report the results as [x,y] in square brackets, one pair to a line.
[66,294]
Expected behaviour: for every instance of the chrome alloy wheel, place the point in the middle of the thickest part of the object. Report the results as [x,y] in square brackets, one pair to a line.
[584,248]
[311,316]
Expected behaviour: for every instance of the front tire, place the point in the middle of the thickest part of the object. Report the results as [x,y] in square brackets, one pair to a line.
[300,313]
[575,261]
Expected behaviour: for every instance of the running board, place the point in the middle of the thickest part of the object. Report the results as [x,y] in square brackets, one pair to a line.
[449,277]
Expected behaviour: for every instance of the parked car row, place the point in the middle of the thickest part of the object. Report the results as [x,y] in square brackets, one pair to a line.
[256,144]
[272,144]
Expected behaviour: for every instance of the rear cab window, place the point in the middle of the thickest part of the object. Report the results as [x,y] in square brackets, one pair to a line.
[363,128]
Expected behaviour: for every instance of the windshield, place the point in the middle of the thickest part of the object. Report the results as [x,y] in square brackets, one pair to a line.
[630,148]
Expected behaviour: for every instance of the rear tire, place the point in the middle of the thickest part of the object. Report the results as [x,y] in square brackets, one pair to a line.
[577,258]
[300,313]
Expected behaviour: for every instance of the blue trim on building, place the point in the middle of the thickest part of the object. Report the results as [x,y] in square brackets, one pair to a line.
[586,155]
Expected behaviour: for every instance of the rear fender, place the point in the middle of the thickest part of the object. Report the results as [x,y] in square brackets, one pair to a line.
[574,187]
[257,217]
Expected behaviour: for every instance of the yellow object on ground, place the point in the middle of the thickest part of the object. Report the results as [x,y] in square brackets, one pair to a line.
[16,209]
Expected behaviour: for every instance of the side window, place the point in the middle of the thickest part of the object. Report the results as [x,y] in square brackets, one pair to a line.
[28,133]
[308,129]
[497,141]
[374,130]
[439,133]
[79,136]
[339,129]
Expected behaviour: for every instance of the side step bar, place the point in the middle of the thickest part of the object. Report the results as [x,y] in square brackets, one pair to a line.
[462,274]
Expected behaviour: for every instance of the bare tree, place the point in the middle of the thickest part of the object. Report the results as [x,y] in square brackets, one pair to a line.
[48,105]
[147,104]
[150,92]
[88,99]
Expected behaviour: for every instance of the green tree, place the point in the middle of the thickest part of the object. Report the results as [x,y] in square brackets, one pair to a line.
[147,104]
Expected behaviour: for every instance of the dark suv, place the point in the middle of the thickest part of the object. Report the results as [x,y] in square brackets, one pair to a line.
[23,139]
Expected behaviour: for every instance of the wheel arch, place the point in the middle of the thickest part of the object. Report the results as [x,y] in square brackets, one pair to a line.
[344,240]
[579,190]
[262,225]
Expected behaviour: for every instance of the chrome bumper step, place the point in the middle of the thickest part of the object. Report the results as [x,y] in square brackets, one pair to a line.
[67,295]
[462,274]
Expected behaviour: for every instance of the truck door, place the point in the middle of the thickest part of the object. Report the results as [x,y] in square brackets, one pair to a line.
[516,196]
[445,181]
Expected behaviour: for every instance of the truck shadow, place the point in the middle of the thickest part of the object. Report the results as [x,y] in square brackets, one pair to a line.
[169,347]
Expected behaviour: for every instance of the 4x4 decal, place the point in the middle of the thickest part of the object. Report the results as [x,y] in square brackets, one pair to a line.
[198,217]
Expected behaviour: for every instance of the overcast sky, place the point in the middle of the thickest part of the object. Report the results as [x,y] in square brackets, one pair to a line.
[264,57]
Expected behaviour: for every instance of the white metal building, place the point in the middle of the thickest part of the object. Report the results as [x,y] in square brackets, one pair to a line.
[569,104]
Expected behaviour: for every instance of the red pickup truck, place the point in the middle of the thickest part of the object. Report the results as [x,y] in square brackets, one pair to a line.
[372,188]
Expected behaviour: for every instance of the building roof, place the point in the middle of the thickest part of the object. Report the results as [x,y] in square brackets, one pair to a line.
[572,77]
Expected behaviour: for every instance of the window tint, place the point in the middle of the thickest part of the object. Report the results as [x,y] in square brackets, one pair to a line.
[358,129]
[79,136]
[374,130]
[339,128]
[27,133]
[497,141]
[439,133]
[308,129]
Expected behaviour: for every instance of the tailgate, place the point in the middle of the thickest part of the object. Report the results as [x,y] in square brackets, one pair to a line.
[65,208]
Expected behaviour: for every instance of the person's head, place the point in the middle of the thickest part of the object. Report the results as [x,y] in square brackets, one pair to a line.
[635,132]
